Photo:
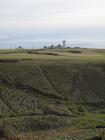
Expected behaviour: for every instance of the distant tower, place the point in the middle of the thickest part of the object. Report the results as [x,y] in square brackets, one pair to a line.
[64,43]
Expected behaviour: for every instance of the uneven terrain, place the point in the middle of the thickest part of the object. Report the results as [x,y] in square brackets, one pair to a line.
[53,94]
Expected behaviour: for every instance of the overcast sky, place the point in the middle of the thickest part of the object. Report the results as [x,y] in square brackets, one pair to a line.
[52,19]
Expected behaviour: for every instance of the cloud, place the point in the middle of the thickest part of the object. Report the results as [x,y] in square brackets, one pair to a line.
[2,37]
[51,14]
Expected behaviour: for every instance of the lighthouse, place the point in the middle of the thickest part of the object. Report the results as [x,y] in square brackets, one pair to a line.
[64,43]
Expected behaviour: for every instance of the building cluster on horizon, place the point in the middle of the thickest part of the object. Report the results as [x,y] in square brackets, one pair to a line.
[63,45]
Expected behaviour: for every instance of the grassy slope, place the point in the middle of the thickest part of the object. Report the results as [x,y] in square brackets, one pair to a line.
[81,55]
[52,91]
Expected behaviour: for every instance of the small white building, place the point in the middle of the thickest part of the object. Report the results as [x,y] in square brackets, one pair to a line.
[64,43]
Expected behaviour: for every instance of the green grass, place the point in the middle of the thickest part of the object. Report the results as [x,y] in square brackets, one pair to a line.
[43,91]
[9,51]
[90,120]
[86,55]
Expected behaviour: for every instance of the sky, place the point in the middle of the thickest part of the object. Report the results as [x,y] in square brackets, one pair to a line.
[27,20]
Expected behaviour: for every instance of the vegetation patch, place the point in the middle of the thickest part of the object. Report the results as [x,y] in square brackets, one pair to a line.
[52,93]
[9,61]
[42,53]
[75,51]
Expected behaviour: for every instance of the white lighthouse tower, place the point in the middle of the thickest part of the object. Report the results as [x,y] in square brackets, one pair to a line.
[64,43]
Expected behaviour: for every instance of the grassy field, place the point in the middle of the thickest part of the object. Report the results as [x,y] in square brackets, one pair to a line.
[72,55]
[52,94]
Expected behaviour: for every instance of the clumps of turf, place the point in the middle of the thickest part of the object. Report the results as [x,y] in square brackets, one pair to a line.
[50,96]
[42,53]
[75,51]
[100,136]
[2,133]
[9,60]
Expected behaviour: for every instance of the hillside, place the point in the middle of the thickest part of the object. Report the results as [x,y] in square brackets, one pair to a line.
[49,89]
